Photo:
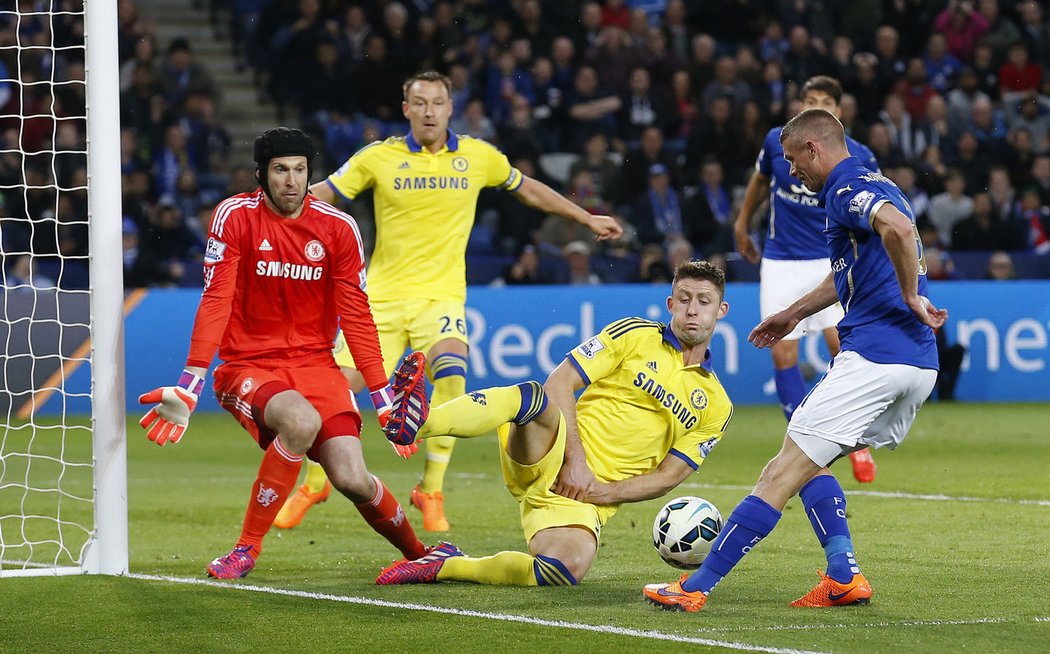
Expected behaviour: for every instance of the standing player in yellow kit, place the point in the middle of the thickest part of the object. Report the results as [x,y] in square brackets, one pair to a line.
[426,187]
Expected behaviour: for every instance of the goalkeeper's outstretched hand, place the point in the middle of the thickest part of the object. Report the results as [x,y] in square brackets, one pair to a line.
[167,421]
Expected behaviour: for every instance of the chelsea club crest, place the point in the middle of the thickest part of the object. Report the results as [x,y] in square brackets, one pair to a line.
[698,399]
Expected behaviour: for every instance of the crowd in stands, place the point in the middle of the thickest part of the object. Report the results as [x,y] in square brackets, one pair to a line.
[650,110]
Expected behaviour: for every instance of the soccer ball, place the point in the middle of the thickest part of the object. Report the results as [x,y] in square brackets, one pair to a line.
[684,530]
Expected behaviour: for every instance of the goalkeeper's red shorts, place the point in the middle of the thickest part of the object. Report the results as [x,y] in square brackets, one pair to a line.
[244,387]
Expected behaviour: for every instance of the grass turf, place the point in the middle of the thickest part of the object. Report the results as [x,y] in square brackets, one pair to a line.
[952,536]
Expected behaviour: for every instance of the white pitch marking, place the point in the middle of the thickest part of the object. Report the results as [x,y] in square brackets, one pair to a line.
[897,495]
[869,625]
[504,617]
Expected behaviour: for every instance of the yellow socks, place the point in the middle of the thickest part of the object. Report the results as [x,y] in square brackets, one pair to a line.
[315,476]
[503,569]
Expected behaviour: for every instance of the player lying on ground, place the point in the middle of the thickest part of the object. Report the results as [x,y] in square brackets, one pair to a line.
[877,383]
[652,411]
[281,273]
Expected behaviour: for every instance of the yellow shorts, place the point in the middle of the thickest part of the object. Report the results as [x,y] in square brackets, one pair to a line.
[403,324]
[540,507]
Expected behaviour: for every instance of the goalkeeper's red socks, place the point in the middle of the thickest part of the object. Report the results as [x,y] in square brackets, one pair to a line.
[384,514]
[277,476]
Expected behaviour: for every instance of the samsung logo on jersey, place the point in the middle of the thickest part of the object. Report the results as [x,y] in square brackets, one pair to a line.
[288,270]
[678,408]
[424,182]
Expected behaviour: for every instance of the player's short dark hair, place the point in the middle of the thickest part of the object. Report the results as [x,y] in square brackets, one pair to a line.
[823,84]
[427,76]
[813,124]
[702,270]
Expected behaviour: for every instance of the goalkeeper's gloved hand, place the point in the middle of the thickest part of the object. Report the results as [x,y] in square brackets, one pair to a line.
[383,401]
[167,421]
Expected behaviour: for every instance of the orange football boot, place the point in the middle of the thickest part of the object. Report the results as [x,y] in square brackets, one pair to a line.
[831,593]
[863,466]
[672,597]
[433,507]
[293,511]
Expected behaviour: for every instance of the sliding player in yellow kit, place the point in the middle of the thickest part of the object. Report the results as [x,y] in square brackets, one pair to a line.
[651,412]
[426,187]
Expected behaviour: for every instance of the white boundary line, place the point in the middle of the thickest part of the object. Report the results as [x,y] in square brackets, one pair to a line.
[898,495]
[870,625]
[504,617]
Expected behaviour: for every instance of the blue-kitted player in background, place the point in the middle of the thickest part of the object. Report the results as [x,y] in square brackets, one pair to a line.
[795,253]
[885,370]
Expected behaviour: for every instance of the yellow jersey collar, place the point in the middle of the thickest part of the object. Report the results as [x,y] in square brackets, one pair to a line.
[452,143]
[671,339]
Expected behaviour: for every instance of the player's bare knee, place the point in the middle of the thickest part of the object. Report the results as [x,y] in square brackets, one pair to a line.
[355,486]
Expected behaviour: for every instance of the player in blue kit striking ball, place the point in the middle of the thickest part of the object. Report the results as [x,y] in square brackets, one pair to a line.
[884,372]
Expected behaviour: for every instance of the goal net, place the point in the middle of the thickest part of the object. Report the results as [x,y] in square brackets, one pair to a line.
[63,462]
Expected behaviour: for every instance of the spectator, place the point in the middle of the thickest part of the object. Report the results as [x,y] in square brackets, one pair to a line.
[1032,115]
[642,107]
[941,65]
[904,131]
[1001,267]
[639,162]
[914,88]
[652,265]
[950,207]
[891,65]
[613,58]
[505,81]
[962,27]
[684,112]
[679,250]
[382,78]
[605,172]
[717,135]
[1002,32]
[180,75]
[1041,177]
[726,84]
[983,230]
[657,215]
[905,179]
[525,269]
[1035,220]
[589,109]
[962,98]
[474,122]
[1034,31]
[1019,77]
[578,256]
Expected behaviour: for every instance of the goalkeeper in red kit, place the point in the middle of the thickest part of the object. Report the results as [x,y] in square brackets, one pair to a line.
[282,271]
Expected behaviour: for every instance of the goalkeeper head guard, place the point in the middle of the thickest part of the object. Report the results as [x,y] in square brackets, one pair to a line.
[281,142]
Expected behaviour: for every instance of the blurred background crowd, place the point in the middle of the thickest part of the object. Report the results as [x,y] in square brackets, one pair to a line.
[650,110]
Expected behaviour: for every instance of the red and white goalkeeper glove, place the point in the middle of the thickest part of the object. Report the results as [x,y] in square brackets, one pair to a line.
[383,400]
[167,421]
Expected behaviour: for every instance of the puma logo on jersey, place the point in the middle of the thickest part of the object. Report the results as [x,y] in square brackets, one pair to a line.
[845,189]
[265,246]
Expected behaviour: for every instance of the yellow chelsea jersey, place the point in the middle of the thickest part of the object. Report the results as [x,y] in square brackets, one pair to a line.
[424,204]
[642,402]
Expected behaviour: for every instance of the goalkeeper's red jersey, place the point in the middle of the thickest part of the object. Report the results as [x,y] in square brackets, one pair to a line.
[277,289]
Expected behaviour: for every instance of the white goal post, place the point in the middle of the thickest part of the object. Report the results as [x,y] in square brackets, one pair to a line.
[63,477]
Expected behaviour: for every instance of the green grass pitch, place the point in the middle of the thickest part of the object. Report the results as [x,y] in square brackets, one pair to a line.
[954,536]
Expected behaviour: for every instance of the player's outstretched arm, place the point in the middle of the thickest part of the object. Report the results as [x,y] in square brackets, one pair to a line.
[769,332]
[167,421]
[323,191]
[900,239]
[756,191]
[538,195]
[671,472]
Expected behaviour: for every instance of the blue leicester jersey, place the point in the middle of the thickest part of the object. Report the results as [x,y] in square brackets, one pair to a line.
[796,222]
[878,325]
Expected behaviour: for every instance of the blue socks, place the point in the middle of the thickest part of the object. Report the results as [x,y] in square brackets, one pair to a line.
[825,504]
[750,522]
[791,389]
